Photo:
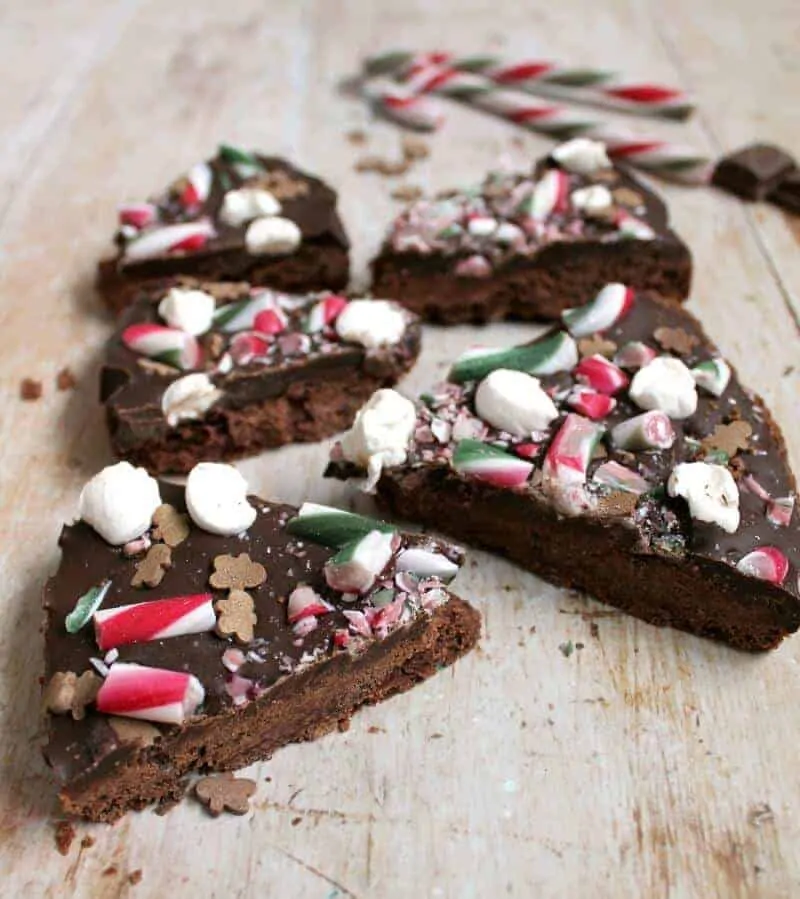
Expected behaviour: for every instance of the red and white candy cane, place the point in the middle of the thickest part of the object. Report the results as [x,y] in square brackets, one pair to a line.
[170,345]
[324,313]
[566,464]
[668,160]
[599,87]
[600,374]
[610,306]
[403,106]
[157,619]
[183,238]
[198,185]
[152,694]
[137,215]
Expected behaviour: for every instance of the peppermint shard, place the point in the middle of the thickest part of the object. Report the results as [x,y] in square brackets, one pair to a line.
[209,371]
[244,644]
[655,481]
[237,216]
[525,245]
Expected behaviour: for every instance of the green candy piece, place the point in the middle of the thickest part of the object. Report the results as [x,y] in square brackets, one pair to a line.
[235,155]
[85,607]
[546,356]
[333,527]
[229,312]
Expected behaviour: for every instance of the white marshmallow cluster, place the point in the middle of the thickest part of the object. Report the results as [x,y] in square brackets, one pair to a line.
[191,311]
[665,384]
[582,156]
[216,499]
[380,434]
[247,203]
[271,236]
[371,323]
[593,201]
[118,502]
[710,491]
[188,398]
[514,401]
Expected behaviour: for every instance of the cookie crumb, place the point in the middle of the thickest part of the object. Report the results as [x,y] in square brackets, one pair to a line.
[357,137]
[135,877]
[65,834]
[407,193]
[87,842]
[30,389]
[414,148]
[65,380]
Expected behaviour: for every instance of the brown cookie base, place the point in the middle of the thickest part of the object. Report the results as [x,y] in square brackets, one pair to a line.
[310,410]
[301,707]
[317,265]
[560,276]
[707,598]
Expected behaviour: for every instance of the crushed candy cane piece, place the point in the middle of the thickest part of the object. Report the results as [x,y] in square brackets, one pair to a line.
[766,563]
[305,601]
[610,305]
[157,619]
[137,215]
[713,376]
[634,354]
[590,403]
[547,357]
[270,321]
[566,464]
[550,194]
[356,566]
[601,375]
[324,313]
[241,314]
[780,510]
[630,226]
[247,347]
[426,563]
[650,430]
[185,237]
[168,345]
[475,266]
[151,694]
[333,527]
[488,463]
[618,477]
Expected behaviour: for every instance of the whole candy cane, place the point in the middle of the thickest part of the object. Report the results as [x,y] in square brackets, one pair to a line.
[668,160]
[407,108]
[600,87]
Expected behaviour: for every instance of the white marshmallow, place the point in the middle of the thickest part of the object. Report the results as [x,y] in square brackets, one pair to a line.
[710,491]
[482,226]
[582,155]
[380,434]
[372,323]
[247,203]
[188,398]
[513,401]
[216,499]
[665,384]
[272,235]
[189,310]
[119,501]
[594,200]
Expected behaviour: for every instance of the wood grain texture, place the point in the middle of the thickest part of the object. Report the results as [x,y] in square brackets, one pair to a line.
[642,764]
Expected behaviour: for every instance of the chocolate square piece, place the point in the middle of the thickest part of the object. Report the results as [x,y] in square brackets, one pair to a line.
[209,371]
[526,245]
[618,454]
[275,635]
[238,216]
[787,193]
[752,172]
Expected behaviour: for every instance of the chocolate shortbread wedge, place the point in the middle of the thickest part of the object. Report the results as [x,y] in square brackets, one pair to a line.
[526,246]
[186,643]
[206,371]
[618,454]
[238,216]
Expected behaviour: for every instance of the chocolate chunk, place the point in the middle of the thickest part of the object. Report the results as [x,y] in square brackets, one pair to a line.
[787,193]
[754,171]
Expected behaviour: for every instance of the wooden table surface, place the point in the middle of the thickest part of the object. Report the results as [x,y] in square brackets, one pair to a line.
[648,763]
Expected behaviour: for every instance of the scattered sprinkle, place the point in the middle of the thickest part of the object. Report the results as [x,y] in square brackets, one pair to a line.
[566,649]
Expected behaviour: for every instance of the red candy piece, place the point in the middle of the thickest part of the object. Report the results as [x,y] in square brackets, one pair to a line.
[152,694]
[154,620]
[305,602]
[592,404]
[138,215]
[247,346]
[767,563]
[268,321]
[601,375]
[194,242]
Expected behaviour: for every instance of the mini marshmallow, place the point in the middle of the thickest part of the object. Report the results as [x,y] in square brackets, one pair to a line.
[513,401]
[582,156]
[665,384]
[247,203]
[380,434]
[710,491]
[482,226]
[189,398]
[372,323]
[118,502]
[271,236]
[191,311]
[594,200]
[216,499]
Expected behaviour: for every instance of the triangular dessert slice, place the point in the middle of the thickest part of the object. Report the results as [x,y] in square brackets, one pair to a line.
[208,371]
[618,454]
[201,630]
[523,244]
[237,216]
